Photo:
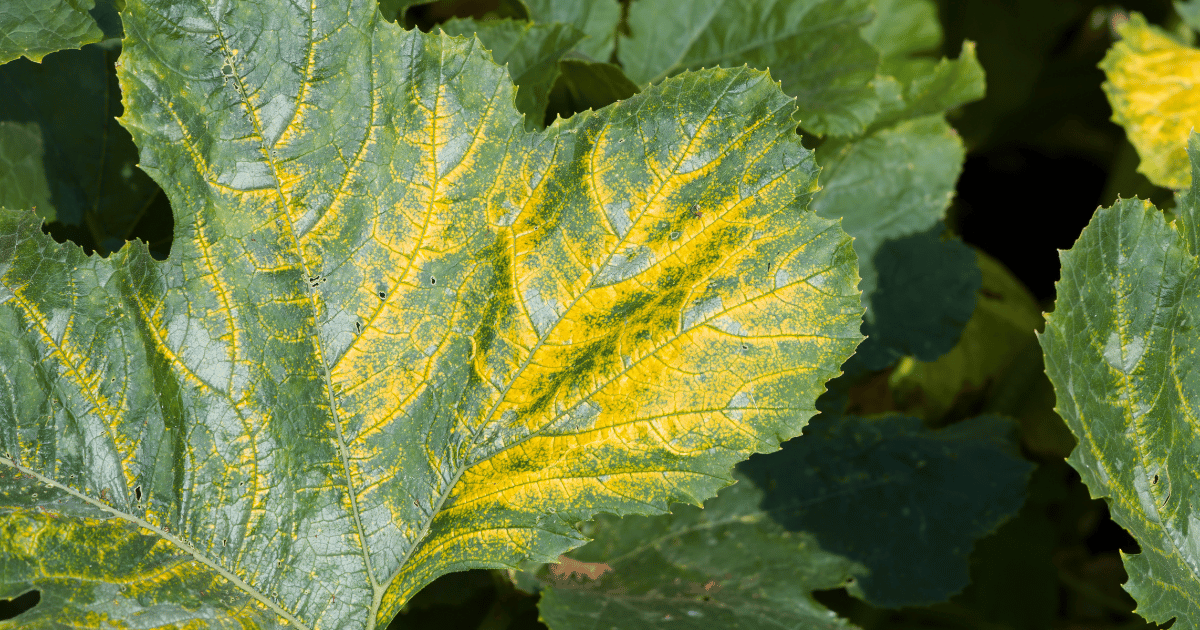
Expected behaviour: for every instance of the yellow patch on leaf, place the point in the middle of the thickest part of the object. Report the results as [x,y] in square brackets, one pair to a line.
[1154,88]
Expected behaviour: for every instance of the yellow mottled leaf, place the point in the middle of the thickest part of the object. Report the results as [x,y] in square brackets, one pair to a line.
[397,335]
[1154,88]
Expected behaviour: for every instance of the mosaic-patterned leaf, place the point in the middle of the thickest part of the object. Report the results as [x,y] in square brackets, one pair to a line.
[397,334]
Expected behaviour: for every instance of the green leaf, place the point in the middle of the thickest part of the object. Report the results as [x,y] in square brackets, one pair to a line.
[598,19]
[926,294]
[397,335]
[584,85]
[1189,10]
[895,181]
[1187,208]
[813,47]
[725,566]
[22,178]
[108,17]
[912,83]
[933,493]
[1015,572]
[36,28]
[922,89]
[530,51]
[1120,349]
[102,198]
[903,27]
[1150,79]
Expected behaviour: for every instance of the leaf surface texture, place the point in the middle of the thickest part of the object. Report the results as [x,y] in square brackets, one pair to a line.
[726,566]
[398,335]
[813,47]
[36,28]
[1121,351]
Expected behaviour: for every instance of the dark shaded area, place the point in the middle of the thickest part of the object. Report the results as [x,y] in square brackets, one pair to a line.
[100,198]
[924,297]
[11,608]
[470,599]
[426,16]
[1022,206]
[1042,152]
[849,480]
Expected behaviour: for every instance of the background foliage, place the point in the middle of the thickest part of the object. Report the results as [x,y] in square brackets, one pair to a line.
[932,489]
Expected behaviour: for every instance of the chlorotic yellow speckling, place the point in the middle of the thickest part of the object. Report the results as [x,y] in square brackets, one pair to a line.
[400,335]
[100,393]
[135,564]
[1154,88]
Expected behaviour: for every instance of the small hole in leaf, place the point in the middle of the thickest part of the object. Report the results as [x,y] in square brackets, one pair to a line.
[357,327]
[137,493]
[382,295]
[432,280]
[1155,480]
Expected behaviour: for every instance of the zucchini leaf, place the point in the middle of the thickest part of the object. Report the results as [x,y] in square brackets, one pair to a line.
[36,28]
[728,565]
[598,19]
[1120,349]
[803,519]
[22,175]
[893,182]
[813,47]
[905,501]
[1151,87]
[531,52]
[397,335]
[100,198]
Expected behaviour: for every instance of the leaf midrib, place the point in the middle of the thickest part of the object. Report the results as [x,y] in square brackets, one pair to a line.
[314,335]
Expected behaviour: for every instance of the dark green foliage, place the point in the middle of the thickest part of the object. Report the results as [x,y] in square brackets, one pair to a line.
[925,295]
[860,485]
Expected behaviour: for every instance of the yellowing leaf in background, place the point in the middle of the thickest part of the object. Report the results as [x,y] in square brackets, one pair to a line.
[1154,88]
[397,335]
